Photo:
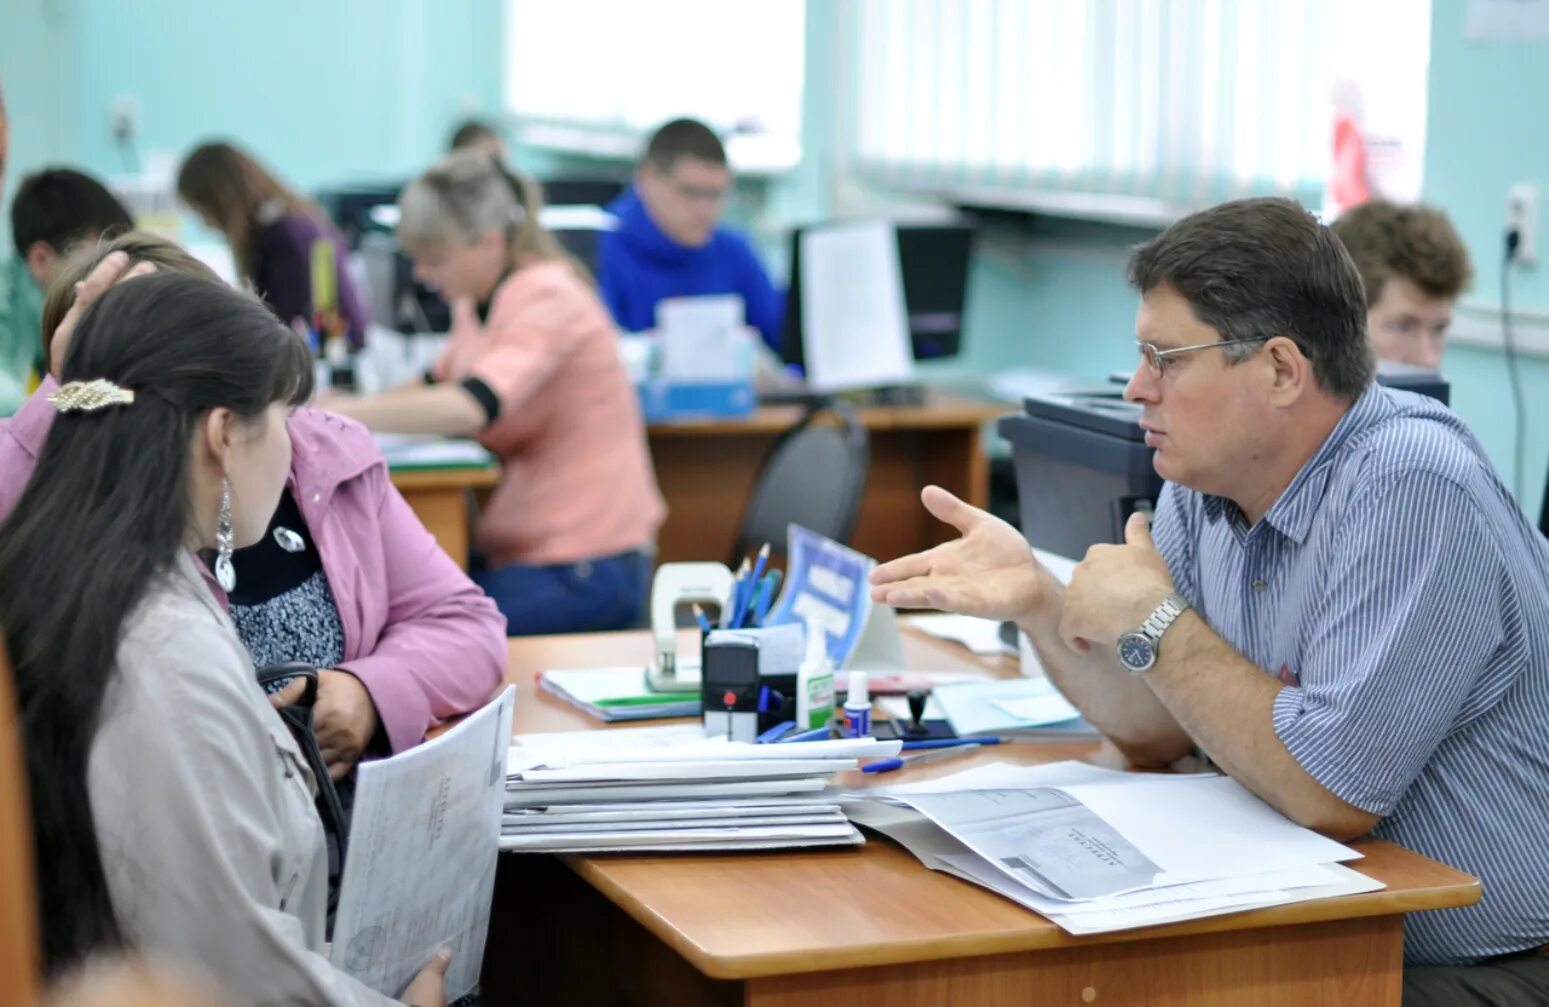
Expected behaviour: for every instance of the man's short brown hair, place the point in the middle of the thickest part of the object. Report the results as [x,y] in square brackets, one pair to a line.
[1415,243]
[684,138]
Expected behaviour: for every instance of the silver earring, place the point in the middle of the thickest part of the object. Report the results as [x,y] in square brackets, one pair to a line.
[289,540]
[225,539]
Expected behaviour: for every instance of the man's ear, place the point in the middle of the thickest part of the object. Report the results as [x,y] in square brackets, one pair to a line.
[1291,374]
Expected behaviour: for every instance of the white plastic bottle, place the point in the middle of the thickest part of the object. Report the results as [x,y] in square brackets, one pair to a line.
[815,684]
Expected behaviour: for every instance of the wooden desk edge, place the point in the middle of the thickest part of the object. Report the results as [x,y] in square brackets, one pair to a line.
[898,952]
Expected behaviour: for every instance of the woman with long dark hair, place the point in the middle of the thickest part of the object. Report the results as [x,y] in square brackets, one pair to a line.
[171,809]
[272,231]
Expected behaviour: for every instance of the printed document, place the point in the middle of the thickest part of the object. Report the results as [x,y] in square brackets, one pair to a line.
[420,872]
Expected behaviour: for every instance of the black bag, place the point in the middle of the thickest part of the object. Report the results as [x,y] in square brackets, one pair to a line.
[298,718]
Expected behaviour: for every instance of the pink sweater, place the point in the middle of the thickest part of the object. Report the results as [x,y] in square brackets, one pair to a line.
[578,482]
[423,639]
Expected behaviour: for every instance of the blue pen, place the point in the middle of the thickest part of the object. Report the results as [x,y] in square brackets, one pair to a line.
[888,765]
[739,591]
[816,734]
[699,615]
[766,596]
[910,746]
[761,561]
[776,732]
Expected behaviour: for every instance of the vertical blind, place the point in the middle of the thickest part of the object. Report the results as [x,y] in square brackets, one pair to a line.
[1182,101]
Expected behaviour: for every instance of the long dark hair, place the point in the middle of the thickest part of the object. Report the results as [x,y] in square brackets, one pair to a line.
[231,186]
[105,515]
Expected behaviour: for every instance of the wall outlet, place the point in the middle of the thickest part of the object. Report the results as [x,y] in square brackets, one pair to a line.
[124,119]
[1522,216]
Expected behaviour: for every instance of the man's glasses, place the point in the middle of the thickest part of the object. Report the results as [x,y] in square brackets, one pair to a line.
[1157,359]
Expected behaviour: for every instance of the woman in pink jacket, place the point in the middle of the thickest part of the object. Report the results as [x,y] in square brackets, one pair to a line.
[345,579]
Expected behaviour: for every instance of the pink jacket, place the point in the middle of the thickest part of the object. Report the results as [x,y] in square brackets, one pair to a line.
[423,639]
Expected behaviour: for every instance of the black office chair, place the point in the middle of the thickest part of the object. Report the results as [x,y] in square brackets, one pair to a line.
[1543,515]
[814,476]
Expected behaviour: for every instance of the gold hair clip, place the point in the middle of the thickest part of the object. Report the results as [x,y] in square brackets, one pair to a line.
[90,396]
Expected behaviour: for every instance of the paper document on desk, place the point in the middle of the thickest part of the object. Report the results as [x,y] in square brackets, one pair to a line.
[982,636]
[412,451]
[420,871]
[1208,845]
[1042,838]
[704,339]
[1027,705]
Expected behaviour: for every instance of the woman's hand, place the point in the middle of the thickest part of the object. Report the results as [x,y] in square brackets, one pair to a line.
[429,987]
[344,720]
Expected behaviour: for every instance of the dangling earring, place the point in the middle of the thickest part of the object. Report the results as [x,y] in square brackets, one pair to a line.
[225,573]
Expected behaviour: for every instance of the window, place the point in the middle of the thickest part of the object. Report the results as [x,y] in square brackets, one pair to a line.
[597,76]
[1134,109]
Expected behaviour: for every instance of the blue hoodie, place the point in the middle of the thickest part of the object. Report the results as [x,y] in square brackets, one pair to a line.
[639,265]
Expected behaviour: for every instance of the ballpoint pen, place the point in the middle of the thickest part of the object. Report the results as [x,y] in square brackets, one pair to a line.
[888,765]
[765,597]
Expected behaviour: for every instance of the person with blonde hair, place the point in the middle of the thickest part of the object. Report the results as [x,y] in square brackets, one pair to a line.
[533,371]
[272,232]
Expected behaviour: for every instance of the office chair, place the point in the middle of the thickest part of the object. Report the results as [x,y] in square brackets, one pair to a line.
[1543,515]
[814,476]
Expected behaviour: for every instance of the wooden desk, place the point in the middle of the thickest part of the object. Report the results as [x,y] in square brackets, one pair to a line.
[440,498]
[706,471]
[871,926]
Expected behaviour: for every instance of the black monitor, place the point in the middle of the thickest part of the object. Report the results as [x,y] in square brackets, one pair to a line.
[933,259]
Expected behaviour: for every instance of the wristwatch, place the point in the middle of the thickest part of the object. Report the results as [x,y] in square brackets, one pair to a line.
[1137,648]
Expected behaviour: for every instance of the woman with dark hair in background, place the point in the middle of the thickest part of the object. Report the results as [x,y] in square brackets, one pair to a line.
[271,231]
[171,809]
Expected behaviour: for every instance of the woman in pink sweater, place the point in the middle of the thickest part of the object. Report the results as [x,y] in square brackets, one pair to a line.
[532,371]
[346,578]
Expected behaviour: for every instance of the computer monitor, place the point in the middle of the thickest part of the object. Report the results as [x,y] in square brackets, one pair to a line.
[933,260]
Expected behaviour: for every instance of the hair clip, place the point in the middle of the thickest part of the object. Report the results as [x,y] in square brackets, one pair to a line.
[89,396]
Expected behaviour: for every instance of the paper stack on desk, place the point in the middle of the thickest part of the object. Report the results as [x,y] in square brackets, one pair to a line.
[1097,851]
[671,788]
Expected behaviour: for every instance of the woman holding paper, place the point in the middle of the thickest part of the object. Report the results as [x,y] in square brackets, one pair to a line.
[532,371]
[346,578]
[171,810]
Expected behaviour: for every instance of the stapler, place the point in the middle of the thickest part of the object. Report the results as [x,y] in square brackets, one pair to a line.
[675,585]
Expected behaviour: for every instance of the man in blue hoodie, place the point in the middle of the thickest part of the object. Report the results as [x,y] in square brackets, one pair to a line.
[670,242]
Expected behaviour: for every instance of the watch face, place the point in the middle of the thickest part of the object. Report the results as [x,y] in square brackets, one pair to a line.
[1136,652]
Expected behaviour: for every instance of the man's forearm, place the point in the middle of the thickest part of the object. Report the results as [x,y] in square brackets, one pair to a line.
[1226,704]
[1116,702]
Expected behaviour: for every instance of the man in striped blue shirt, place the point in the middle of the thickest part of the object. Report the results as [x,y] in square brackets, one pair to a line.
[1339,602]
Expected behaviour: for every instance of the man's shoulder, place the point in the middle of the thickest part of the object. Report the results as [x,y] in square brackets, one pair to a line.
[1413,435]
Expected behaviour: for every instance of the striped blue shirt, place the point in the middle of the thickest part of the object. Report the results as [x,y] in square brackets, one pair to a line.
[1399,593]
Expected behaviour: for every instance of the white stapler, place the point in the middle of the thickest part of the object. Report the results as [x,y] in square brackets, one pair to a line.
[679,584]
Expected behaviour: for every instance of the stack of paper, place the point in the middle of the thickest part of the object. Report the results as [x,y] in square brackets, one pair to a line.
[612,694]
[671,788]
[1027,708]
[1096,851]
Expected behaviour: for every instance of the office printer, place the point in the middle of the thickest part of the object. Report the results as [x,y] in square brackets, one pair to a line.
[1082,465]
